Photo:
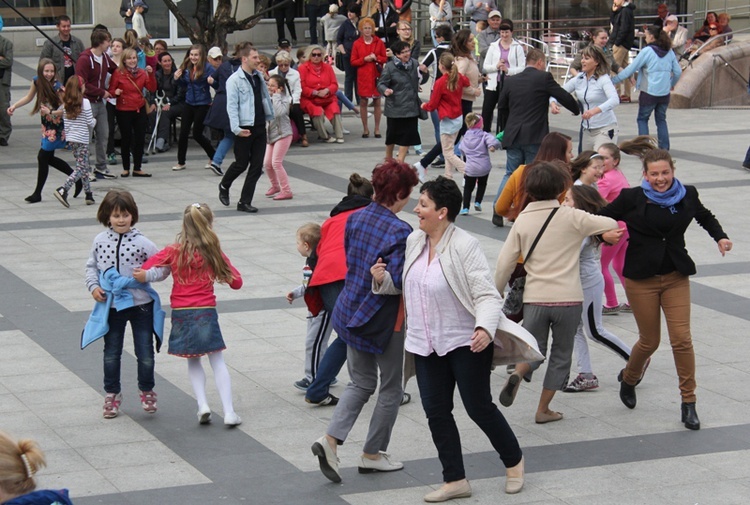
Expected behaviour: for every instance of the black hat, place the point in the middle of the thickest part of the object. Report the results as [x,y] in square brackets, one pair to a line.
[285,43]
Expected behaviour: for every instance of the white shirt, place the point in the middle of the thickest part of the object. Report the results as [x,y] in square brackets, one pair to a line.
[438,322]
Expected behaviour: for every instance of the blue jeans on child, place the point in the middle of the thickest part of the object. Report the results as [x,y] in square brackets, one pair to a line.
[141,318]
[335,355]
[223,148]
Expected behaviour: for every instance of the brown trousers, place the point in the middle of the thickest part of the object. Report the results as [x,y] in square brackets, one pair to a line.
[648,298]
[621,55]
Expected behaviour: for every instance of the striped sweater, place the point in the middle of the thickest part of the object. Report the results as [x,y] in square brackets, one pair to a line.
[79,129]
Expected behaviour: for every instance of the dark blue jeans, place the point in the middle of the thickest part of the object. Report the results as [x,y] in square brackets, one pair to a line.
[660,116]
[350,78]
[437,377]
[335,355]
[141,320]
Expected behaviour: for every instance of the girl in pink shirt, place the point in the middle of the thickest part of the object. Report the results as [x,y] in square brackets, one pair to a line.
[196,262]
[611,183]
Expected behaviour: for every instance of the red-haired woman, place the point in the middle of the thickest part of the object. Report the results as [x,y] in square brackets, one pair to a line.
[370,323]
[318,100]
[368,55]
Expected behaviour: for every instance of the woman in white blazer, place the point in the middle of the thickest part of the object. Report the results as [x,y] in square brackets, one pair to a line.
[504,57]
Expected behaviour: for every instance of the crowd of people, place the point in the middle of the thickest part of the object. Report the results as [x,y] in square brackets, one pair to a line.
[403,302]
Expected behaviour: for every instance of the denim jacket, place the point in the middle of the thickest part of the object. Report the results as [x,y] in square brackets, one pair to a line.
[241,101]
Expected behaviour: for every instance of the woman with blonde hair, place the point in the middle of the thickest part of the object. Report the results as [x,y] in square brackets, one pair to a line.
[19,461]
[369,56]
[318,100]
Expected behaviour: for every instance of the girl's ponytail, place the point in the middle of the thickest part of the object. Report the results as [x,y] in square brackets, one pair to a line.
[448,61]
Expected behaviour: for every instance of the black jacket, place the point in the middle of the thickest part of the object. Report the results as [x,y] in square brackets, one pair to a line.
[623,26]
[525,97]
[648,244]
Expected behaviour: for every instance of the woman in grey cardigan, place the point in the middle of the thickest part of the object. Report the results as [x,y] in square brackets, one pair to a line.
[399,84]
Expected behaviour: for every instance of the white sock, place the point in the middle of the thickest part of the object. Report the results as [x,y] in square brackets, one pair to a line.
[198,380]
[223,382]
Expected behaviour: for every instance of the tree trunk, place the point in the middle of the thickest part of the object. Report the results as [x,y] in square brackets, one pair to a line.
[213,30]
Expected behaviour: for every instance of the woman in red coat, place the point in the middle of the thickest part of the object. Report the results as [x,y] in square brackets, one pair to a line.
[127,85]
[318,100]
[368,55]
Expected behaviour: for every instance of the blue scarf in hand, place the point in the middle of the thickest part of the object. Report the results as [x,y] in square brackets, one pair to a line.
[669,198]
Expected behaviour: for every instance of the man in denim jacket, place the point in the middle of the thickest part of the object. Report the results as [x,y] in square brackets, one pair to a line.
[249,107]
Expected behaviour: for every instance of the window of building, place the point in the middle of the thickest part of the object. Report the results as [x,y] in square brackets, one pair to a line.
[45,12]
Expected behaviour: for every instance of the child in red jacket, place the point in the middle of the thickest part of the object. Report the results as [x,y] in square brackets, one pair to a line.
[446,98]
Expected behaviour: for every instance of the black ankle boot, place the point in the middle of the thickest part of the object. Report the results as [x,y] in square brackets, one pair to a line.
[690,416]
[627,393]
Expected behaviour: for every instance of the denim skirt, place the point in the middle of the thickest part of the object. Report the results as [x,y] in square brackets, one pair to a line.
[195,332]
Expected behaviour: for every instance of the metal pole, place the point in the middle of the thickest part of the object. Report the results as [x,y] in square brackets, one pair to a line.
[66,55]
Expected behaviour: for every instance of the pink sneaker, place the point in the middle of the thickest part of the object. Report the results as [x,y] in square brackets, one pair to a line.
[112,405]
[148,401]
[284,195]
[272,191]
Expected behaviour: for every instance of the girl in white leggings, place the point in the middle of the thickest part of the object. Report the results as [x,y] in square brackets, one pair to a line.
[587,198]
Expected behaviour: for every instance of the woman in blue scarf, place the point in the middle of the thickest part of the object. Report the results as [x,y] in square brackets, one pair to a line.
[656,271]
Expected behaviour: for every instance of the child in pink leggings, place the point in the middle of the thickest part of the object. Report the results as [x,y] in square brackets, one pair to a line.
[279,136]
[612,182]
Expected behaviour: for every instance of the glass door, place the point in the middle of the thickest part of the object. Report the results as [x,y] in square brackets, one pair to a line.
[162,24]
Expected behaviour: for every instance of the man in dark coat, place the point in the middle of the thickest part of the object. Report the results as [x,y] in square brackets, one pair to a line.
[525,98]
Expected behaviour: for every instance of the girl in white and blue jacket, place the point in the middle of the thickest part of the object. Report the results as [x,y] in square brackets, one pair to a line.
[658,72]
[597,98]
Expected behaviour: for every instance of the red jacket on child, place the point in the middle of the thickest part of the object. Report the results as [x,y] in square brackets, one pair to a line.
[447,102]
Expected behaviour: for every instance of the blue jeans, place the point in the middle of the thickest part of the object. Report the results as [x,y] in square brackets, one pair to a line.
[516,156]
[223,148]
[437,377]
[335,356]
[660,115]
[141,320]
[344,100]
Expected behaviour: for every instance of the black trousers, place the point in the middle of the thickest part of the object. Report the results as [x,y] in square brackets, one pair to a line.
[469,183]
[133,126]
[248,155]
[44,160]
[193,115]
[165,121]
[488,110]
[298,117]
[282,14]
[111,122]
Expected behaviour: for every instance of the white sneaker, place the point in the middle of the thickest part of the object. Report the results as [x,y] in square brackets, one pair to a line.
[345,131]
[421,172]
[204,415]
[232,419]
[382,464]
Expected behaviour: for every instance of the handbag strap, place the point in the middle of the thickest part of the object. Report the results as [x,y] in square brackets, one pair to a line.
[539,235]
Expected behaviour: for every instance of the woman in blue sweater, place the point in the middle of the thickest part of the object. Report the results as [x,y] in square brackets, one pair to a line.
[197,76]
[658,72]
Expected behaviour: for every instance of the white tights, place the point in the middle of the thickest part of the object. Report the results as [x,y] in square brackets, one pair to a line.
[221,377]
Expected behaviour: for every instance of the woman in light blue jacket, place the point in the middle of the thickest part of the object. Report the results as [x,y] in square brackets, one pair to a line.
[597,98]
[658,72]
